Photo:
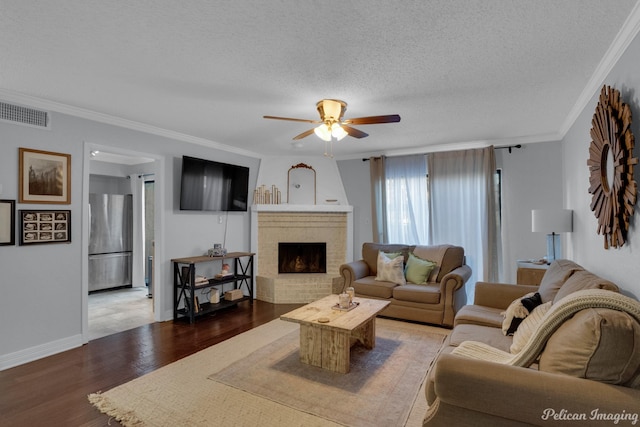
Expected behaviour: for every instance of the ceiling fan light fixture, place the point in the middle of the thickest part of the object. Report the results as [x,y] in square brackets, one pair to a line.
[331,109]
[338,132]
[323,132]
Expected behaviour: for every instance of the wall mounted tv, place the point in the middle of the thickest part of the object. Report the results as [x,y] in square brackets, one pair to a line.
[213,186]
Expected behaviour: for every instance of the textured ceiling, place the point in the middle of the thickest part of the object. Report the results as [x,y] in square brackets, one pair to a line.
[459,73]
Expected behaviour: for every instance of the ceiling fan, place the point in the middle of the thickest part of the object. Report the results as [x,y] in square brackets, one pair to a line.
[332,123]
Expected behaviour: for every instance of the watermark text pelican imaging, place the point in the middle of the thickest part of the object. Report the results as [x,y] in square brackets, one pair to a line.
[595,415]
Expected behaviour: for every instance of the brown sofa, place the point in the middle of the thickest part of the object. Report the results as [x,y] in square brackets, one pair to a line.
[434,301]
[580,364]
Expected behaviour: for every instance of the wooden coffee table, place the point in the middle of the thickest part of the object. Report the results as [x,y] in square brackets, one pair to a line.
[327,344]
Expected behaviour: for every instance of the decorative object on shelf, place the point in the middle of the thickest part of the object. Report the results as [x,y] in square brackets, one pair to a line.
[201,280]
[610,165]
[225,272]
[265,196]
[552,222]
[44,177]
[217,250]
[7,222]
[45,226]
[301,185]
[233,294]
[214,296]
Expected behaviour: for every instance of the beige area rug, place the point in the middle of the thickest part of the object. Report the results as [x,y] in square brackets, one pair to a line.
[379,390]
[188,392]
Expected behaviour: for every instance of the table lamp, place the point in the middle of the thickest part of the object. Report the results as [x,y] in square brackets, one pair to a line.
[552,222]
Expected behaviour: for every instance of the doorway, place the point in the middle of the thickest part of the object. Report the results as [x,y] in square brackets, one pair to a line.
[120,308]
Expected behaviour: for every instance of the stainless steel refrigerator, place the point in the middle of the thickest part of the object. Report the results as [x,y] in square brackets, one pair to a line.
[110,241]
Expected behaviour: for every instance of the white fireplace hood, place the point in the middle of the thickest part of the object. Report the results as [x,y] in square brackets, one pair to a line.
[329,189]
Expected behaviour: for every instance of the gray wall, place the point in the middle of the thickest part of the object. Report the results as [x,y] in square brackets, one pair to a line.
[531,179]
[586,246]
[357,185]
[41,308]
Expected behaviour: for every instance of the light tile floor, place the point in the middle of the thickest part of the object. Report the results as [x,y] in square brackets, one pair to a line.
[118,310]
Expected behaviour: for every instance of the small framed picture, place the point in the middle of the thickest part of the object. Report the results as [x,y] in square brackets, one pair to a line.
[45,177]
[50,226]
[7,222]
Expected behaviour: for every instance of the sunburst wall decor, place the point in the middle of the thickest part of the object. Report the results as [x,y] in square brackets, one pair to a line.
[612,202]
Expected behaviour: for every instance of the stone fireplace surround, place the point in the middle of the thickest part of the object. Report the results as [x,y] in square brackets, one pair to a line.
[272,224]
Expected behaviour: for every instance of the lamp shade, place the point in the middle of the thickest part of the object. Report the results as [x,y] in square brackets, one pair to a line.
[551,220]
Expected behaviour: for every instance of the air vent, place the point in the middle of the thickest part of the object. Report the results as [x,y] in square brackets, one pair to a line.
[24,115]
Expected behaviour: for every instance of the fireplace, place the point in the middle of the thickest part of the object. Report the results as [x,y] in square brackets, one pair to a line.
[302,257]
[277,224]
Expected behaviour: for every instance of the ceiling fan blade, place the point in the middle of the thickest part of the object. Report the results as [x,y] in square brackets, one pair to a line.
[303,134]
[371,120]
[290,119]
[354,132]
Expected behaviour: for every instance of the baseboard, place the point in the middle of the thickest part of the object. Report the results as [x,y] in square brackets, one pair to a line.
[17,358]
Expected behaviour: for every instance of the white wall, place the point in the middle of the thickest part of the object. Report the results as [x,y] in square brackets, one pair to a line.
[41,306]
[586,247]
[275,170]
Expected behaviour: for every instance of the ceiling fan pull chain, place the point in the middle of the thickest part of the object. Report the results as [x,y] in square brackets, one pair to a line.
[329,152]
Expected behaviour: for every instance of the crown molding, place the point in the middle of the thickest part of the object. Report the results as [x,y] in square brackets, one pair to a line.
[35,102]
[617,48]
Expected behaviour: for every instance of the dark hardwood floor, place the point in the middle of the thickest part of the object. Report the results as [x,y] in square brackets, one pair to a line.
[53,391]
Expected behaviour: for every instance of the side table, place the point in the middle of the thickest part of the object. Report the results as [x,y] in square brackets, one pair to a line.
[530,273]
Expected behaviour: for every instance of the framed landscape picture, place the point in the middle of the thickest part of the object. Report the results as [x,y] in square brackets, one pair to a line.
[45,177]
[45,226]
[7,222]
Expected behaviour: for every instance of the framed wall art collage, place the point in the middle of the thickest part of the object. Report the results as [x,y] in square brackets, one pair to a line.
[44,177]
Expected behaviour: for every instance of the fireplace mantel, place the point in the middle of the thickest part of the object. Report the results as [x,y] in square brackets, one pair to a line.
[311,223]
[283,207]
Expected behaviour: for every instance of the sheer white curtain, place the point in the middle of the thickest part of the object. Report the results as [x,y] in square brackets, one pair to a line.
[463,209]
[407,208]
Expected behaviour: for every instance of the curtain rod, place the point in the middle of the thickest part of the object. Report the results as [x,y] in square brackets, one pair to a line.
[509,147]
[140,175]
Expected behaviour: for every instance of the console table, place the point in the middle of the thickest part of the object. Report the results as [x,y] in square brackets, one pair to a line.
[185,286]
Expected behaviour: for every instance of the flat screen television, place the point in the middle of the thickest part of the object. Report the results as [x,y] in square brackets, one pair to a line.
[213,186]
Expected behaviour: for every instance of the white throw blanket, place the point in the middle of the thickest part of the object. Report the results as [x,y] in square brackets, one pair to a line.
[557,314]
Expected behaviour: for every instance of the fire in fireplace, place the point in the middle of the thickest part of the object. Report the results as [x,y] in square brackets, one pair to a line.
[302,257]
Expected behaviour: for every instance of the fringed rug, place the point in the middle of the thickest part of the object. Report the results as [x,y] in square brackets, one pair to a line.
[379,390]
[182,393]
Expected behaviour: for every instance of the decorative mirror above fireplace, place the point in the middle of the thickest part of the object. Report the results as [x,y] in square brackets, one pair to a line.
[301,185]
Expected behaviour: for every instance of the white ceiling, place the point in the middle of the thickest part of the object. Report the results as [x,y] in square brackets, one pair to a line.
[459,72]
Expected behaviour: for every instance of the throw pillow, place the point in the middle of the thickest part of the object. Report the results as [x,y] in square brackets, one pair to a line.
[558,272]
[599,344]
[417,270]
[391,269]
[518,310]
[392,255]
[528,326]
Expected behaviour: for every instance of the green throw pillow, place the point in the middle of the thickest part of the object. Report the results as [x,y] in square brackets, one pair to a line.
[417,270]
